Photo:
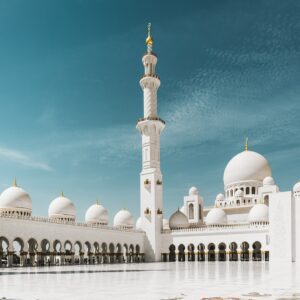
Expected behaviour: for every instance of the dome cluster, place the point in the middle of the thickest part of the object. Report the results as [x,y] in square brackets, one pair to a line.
[14,201]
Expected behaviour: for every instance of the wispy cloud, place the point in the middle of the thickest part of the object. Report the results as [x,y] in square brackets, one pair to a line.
[22,159]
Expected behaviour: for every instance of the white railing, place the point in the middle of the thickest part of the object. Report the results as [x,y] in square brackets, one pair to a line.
[227,227]
[71,223]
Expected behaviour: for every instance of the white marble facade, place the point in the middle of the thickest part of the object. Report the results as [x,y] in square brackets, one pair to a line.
[251,220]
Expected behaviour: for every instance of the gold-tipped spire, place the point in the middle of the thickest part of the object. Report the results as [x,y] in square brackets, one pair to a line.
[149,41]
[62,194]
[97,201]
[15,182]
[246,144]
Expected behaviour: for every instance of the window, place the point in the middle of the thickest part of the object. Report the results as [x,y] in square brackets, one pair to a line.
[191,211]
[253,190]
[247,190]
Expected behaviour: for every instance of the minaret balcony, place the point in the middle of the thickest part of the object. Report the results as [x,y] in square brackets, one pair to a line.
[150,75]
[151,119]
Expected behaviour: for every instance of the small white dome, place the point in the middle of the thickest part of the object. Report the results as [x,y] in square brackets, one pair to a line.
[138,224]
[15,198]
[62,208]
[124,219]
[259,213]
[220,197]
[166,224]
[247,165]
[96,214]
[296,188]
[239,193]
[193,191]
[216,216]
[268,181]
[178,220]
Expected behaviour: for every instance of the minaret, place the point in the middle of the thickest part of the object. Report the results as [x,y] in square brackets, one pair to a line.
[150,127]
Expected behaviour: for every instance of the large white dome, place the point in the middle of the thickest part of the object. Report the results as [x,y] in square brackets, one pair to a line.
[259,213]
[62,208]
[15,198]
[216,216]
[166,225]
[178,220]
[96,214]
[124,219]
[246,166]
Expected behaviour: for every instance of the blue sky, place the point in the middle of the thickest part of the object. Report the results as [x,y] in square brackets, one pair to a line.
[70,97]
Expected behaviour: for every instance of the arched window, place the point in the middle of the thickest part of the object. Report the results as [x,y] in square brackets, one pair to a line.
[247,190]
[200,211]
[253,190]
[231,193]
[191,211]
[266,199]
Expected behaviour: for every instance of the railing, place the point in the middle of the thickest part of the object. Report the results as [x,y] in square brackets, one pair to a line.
[151,119]
[71,223]
[231,227]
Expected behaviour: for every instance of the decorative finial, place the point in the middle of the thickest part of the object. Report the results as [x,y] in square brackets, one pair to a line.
[62,194]
[149,40]
[15,182]
[97,201]
[246,144]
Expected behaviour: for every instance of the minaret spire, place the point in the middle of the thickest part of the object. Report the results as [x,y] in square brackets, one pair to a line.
[149,40]
[150,127]
[246,144]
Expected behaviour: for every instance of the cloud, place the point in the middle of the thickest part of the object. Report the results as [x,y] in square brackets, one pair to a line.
[22,159]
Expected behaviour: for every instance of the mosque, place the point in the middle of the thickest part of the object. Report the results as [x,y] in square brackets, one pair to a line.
[251,220]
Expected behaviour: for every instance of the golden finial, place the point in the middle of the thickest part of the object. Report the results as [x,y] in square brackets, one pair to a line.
[149,40]
[15,182]
[62,194]
[246,144]
[97,201]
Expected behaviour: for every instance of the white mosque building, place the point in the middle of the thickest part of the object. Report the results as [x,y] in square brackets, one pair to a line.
[251,220]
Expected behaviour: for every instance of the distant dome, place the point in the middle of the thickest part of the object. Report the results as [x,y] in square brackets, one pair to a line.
[62,208]
[296,188]
[178,220]
[245,166]
[96,214]
[15,198]
[239,193]
[220,197]
[268,181]
[138,224]
[166,224]
[193,191]
[124,219]
[259,213]
[216,216]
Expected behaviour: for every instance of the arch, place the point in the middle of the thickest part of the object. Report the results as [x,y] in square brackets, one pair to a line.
[137,249]
[45,257]
[256,254]
[96,247]
[247,190]
[4,246]
[33,249]
[172,254]
[181,253]
[211,252]
[18,246]
[119,255]
[191,211]
[266,199]
[78,252]
[233,255]
[244,251]
[68,247]
[253,190]
[57,246]
[222,252]
[191,252]
[201,252]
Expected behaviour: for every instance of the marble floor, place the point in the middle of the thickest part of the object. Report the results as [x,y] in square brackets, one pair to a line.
[180,280]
